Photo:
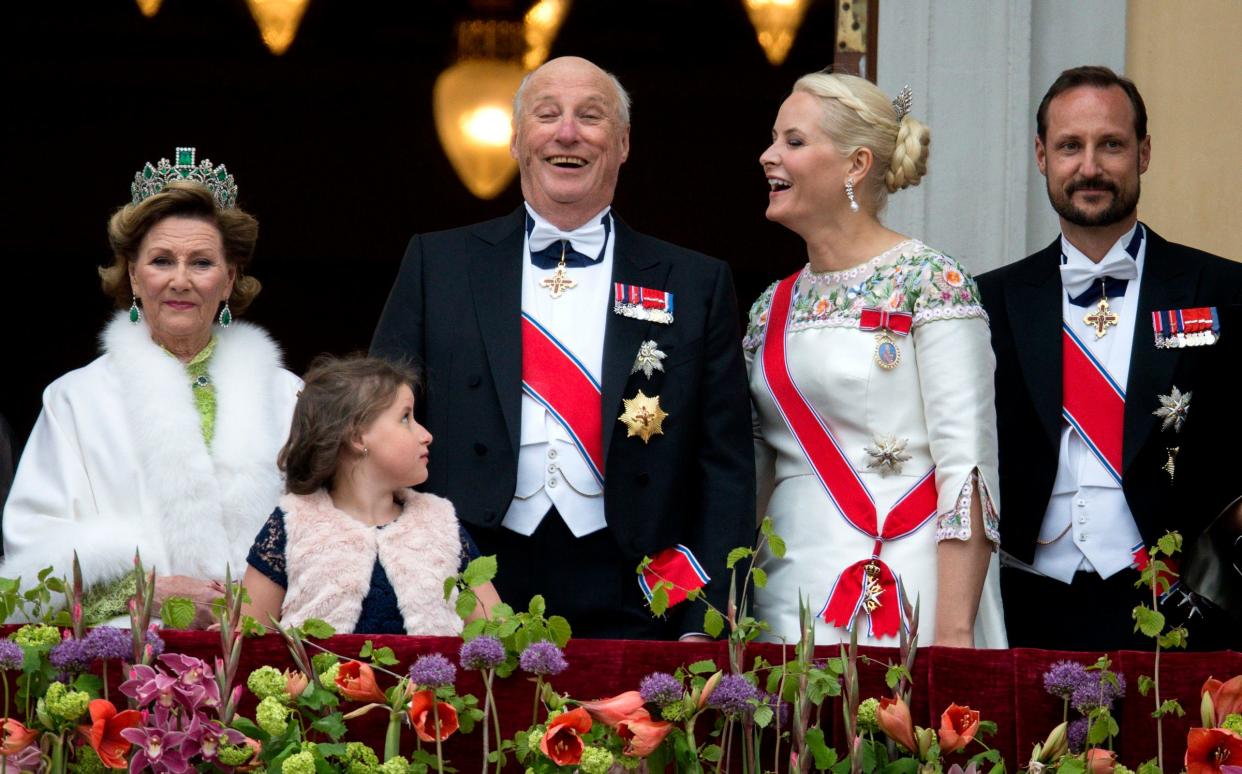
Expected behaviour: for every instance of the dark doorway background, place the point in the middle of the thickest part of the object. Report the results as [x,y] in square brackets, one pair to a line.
[334,149]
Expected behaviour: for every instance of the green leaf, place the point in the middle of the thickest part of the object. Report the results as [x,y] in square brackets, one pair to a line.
[502,610]
[824,757]
[895,674]
[1071,764]
[1148,621]
[450,583]
[713,622]
[537,605]
[466,603]
[763,715]
[473,629]
[902,766]
[90,683]
[1149,767]
[366,649]
[765,526]
[1170,544]
[710,752]
[659,599]
[760,576]
[332,725]
[479,571]
[1145,684]
[384,657]
[988,728]
[56,585]
[737,555]
[559,628]
[177,613]
[317,698]
[1174,638]
[776,544]
[705,667]
[250,627]
[247,727]
[319,629]
[1169,707]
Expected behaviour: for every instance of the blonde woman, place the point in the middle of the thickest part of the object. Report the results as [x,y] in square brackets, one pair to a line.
[871,379]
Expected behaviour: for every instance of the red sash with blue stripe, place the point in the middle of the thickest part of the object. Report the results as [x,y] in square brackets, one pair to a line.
[1092,402]
[869,586]
[677,565]
[563,385]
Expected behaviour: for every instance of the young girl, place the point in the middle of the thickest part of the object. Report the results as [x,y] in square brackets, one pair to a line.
[351,543]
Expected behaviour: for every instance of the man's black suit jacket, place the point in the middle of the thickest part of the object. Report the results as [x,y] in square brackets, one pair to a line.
[1023,301]
[455,309]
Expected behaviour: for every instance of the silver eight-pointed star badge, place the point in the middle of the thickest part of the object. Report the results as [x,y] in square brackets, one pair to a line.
[648,360]
[887,454]
[1173,409]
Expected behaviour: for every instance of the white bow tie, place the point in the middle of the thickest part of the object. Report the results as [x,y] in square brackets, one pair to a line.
[588,239]
[1077,276]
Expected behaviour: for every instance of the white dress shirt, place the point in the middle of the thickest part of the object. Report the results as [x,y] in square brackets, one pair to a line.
[551,470]
[1088,524]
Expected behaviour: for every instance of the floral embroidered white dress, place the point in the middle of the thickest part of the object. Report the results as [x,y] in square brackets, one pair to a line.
[933,411]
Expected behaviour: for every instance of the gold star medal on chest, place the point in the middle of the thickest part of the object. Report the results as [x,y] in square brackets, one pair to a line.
[643,416]
[888,325]
[559,282]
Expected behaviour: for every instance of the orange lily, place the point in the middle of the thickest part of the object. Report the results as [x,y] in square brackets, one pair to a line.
[562,742]
[356,682]
[614,710]
[958,725]
[104,732]
[424,721]
[641,734]
[16,737]
[1226,696]
[1208,749]
[1101,761]
[893,717]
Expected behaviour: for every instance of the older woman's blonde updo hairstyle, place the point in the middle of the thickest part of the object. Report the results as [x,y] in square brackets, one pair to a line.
[129,225]
[858,115]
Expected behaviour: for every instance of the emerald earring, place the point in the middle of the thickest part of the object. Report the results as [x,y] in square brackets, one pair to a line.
[135,312]
[226,317]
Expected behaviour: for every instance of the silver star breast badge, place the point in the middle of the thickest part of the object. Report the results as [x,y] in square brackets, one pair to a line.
[888,454]
[648,360]
[1173,410]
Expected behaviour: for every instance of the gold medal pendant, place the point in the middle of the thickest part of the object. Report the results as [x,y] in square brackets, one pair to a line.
[887,353]
[643,416]
[559,282]
[1102,318]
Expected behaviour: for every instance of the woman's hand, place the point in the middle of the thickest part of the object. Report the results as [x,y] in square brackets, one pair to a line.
[200,591]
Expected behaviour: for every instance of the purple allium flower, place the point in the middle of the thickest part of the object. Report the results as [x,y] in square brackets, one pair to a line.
[1096,693]
[1077,733]
[1063,677]
[11,655]
[732,695]
[109,642]
[660,688]
[70,655]
[482,653]
[542,658]
[433,671]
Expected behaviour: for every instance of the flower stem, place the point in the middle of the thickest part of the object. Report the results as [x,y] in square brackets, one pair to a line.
[435,714]
[489,676]
[392,739]
[534,712]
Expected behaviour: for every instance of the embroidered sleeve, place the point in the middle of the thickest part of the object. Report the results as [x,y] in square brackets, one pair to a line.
[469,551]
[955,524]
[940,289]
[267,555]
[758,320]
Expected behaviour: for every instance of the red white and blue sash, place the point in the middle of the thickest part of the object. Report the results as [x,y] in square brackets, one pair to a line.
[1092,402]
[678,566]
[1142,559]
[845,488]
[563,385]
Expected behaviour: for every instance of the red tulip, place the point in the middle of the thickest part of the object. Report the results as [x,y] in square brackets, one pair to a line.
[356,682]
[893,717]
[16,737]
[1226,696]
[641,734]
[1208,749]
[105,729]
[424,721]
[1101,761]
[562,742]
[614,710]
[958,726]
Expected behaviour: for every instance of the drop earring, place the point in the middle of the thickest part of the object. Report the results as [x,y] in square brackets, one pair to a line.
[135,312]
[226,317]
[849,194]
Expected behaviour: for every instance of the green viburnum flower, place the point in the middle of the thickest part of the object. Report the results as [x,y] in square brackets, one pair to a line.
[629,763]
[595,760]
[359,759]
[395,765]
[1232,722]
[299,763]
[866,715]
[1120,769]
[37,636]
[87,762]
[328,677]
[233,755]
[675,712]
[272,716]
[268,681]
[65,704]
[534,738]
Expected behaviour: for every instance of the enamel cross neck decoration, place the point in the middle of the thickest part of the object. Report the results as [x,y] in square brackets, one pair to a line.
[1103,317]
[559,282]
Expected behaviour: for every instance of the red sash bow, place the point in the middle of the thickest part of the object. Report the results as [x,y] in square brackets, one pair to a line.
[874,319]
[869,586]
[558,380]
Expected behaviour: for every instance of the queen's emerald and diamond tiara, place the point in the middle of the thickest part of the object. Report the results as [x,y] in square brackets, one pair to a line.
[150,180]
